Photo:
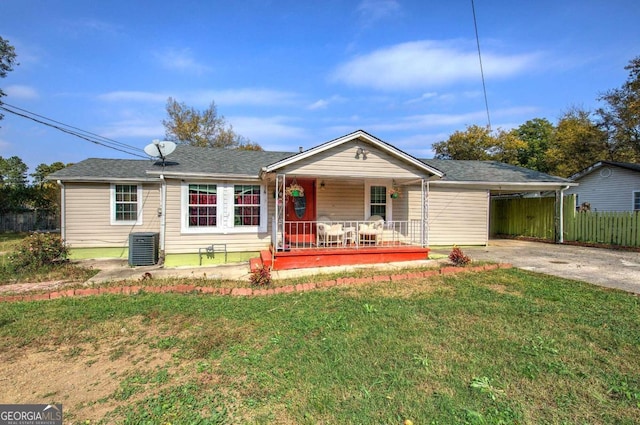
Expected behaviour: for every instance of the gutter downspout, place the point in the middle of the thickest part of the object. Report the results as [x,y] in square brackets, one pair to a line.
[63,222]
[163,215]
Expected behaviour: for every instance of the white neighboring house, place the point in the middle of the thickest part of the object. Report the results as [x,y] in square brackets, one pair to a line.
[608,186]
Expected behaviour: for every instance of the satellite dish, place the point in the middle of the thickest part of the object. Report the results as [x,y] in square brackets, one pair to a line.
[160,149]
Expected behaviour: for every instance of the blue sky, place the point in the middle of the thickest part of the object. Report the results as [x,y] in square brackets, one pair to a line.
[298,73]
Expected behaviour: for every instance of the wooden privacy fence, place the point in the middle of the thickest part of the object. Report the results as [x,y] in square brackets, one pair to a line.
[535,217]
[612,228]
[29,221]
[532,217]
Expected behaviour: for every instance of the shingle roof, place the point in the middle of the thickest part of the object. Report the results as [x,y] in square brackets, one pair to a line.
[599,164]
[194,160]
[98,168]
[185,159]
[191,159]
[488,171]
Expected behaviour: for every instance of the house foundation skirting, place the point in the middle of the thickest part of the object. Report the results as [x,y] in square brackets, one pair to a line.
[306,258]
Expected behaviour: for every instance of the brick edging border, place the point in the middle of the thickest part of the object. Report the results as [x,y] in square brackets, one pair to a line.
[244,292]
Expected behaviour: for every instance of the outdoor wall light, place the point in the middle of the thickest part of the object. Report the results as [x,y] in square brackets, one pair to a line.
[361,151]
[322,186]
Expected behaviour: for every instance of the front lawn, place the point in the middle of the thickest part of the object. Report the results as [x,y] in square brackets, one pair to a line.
[505,346]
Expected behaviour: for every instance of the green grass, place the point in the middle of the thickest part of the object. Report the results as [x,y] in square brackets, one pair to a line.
[9,241]
[506,346]
[62,271]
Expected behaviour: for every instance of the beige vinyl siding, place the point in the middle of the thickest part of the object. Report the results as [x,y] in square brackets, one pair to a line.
[88,216]
[341,161]
[606,191]
[341,200]
[401,205]
[177,242]
[458,216]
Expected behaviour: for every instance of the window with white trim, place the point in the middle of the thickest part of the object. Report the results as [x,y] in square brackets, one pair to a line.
[378,201]
[203,205]
[223,208]
[246,208]
[636,200]
[126,204]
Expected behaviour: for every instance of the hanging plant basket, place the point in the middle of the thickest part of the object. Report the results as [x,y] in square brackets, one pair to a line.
[394,195]
[295,190]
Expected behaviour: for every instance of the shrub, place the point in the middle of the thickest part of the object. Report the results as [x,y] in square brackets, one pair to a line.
[261,276]
[37,250]
[458,258]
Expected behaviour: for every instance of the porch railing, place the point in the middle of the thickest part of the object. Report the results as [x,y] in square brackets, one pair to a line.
[348,234]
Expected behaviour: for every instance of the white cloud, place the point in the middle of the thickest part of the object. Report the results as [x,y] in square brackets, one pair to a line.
[422,122]
[94,25]
[272,133]
[372,11]
[324,103]
[133,128]
[180,60]
[320,104]
[21,92]
[428,64]
[203,98]
[135,96]
[247,97]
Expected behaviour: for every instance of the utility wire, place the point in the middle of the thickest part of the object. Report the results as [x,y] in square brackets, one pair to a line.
[74,131]
[484,86]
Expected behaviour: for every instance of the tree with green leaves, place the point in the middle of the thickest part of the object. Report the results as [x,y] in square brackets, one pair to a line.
[7,61]
[474,143]
[46,194]
[479,143]
[43,170]
[577,143]
[620,117]
[537,134]
[13,172]
[206,128]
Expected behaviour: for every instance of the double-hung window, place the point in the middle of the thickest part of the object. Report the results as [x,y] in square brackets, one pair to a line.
[203,205]
[223,207]
[246,208]
[636,200]
[126,204]
[378,201]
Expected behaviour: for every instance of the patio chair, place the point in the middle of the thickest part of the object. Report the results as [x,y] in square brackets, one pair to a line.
[329,234]
[370,233]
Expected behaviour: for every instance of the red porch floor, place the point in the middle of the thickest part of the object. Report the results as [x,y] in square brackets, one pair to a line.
[319,257]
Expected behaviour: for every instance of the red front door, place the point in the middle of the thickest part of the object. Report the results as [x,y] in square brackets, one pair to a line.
[300,214]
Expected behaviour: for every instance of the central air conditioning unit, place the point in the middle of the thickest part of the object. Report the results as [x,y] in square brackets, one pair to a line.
[143,249]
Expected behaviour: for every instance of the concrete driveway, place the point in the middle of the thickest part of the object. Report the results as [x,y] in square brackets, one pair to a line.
[604,267]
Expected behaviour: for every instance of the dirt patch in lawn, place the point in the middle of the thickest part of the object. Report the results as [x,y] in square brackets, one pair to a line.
[88,378]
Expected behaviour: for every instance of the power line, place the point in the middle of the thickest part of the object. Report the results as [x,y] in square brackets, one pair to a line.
[484,86]
[74,131]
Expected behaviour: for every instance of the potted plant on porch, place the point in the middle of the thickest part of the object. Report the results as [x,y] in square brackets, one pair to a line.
[394,192]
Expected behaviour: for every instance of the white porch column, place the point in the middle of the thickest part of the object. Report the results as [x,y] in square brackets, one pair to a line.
[424,214]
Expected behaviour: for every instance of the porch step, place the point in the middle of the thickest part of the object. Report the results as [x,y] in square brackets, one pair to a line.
[263,261]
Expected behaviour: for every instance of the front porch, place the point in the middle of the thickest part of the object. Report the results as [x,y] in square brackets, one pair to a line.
[323,243]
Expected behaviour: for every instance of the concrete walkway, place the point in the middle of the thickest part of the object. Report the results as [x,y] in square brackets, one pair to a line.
[117,270]
[604,267]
